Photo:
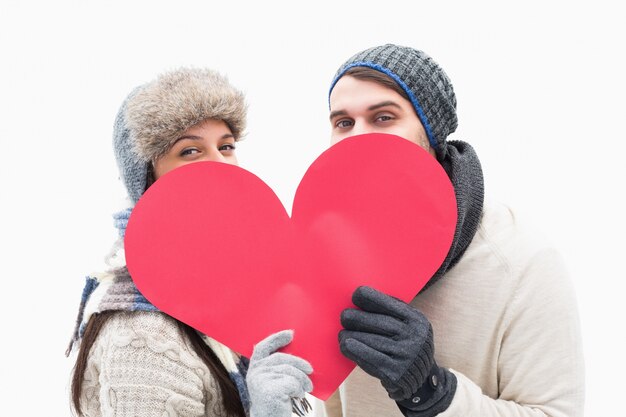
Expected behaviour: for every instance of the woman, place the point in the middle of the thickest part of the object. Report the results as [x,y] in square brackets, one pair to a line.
[134,360]
[495,332]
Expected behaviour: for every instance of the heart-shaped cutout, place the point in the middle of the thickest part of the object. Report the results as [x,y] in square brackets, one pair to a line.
[212,245]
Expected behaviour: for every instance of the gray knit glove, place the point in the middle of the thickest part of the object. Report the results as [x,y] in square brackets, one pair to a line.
[275,378]
[393,342]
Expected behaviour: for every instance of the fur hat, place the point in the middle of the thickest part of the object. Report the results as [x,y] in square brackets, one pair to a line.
[424,81]
[155,114]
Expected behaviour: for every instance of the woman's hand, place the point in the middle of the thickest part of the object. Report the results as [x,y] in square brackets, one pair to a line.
[274,378]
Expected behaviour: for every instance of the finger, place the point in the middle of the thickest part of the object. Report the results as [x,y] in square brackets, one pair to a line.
[294,388]
[374,301]
[280,358]
[271,344]
[364,321]
[370,360]
[380,343]
[280,373]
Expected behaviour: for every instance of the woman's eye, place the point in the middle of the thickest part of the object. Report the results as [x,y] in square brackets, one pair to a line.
[189,151]
[344,123]
[227,147]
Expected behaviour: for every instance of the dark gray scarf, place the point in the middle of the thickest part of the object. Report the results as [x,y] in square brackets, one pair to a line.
[463,168]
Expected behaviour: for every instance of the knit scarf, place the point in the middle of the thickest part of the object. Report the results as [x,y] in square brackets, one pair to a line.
[463,168]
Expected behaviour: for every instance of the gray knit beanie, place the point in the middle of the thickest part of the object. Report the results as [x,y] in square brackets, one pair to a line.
[155,114]
[424,81]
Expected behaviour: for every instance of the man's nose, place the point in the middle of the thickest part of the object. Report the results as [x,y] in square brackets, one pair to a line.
[360,128]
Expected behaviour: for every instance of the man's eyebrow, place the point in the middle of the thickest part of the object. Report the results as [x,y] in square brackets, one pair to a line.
[384,104]
[336,113]
[370,108]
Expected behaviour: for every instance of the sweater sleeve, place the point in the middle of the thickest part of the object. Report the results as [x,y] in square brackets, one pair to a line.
[142,366]
[540,364]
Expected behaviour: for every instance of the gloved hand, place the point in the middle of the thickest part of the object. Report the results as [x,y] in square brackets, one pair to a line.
[393,342]
[275,378]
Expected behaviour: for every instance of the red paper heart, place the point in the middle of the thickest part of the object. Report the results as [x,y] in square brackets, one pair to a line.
[212,245]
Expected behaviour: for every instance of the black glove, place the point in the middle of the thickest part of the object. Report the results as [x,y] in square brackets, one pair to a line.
[393,342]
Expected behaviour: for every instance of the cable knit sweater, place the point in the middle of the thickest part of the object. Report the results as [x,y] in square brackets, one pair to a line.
[141,365]
[505,322]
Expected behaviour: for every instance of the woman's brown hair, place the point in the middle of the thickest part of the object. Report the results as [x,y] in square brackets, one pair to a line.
[230,395]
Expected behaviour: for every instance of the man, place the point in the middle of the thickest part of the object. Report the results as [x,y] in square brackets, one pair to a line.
[495,332]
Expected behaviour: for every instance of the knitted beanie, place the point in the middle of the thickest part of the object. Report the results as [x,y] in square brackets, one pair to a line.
[155,114]
[424,81]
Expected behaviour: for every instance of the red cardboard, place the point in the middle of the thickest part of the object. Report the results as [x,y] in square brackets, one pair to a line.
[212,245]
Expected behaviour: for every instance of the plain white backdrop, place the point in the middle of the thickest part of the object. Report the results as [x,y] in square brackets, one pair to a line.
[540,88]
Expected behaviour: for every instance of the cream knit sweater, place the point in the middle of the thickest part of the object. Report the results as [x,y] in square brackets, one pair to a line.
[505,322]
[141,366]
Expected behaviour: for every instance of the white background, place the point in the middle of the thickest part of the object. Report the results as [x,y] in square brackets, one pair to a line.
[540,87]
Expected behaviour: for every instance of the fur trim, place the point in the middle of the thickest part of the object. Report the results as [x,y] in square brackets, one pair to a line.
[164,108]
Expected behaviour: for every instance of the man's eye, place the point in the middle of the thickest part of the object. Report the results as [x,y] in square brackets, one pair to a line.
[384,118]
[227,147]
[344,123]
[189,151]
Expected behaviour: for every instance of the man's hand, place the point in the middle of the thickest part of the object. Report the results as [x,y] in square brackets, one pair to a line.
[393,342]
